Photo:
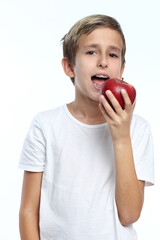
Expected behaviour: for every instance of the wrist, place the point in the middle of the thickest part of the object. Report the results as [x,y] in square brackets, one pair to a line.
[122,142]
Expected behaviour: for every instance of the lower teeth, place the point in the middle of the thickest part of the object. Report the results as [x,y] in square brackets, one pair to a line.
[97,85]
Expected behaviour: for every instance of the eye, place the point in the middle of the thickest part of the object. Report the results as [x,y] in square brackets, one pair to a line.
[91,52]
[113,55]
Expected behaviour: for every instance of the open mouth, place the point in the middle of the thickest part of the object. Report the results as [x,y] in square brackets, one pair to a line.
[99,80]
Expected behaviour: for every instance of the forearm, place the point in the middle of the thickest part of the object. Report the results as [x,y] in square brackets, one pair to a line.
[128,195]
[29,226]
[128,190]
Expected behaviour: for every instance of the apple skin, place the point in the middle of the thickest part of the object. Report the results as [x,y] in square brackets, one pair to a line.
[115,85]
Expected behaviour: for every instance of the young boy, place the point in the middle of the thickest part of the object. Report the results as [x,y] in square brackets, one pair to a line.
[86,164]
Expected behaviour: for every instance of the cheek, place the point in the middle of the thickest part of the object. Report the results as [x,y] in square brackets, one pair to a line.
[82,68]
[118,70]
[117,73]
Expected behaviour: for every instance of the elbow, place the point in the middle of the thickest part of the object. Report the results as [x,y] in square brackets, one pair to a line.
[129,215]
[127,219]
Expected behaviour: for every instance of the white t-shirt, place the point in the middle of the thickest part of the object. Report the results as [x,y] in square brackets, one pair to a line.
[78,186]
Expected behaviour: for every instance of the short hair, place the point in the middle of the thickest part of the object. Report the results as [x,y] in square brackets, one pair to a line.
[83,28]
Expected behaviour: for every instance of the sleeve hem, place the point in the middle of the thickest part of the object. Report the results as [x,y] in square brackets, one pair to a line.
[148,182]
[30,168]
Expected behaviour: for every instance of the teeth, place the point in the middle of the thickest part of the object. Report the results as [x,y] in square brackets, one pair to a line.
[99,86]
[101,76]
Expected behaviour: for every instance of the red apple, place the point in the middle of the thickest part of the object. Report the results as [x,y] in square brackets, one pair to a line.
[115,85]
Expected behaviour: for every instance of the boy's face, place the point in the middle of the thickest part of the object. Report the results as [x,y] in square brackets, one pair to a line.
[99,53]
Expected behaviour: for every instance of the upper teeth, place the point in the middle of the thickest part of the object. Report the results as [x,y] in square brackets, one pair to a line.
[101,76]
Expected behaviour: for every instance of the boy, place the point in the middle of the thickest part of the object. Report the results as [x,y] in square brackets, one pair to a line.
[86,164]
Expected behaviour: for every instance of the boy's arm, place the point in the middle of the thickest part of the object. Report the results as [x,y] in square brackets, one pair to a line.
[129,191]
[29,209]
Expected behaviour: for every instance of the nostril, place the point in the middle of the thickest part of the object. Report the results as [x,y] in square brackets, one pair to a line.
[102,65]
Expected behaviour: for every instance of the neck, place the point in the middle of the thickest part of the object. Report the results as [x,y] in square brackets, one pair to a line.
[86,111]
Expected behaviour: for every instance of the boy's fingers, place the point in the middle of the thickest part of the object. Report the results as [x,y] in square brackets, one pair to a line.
[107,108]
[114,102]
[126,99]
[103,110]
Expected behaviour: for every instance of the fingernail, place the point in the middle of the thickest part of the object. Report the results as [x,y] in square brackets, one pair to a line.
[123,91]
[101,97]
[108,92]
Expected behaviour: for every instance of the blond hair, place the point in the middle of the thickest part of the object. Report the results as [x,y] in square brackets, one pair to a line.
[84,27]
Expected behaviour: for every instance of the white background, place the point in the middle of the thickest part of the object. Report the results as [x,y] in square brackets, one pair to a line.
[32,80]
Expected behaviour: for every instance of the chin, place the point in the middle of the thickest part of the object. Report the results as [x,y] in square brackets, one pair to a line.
[96,99]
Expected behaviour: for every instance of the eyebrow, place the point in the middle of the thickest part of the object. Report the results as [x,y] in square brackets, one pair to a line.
[95,45]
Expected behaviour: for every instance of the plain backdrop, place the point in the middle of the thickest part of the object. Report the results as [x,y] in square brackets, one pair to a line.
[32,80]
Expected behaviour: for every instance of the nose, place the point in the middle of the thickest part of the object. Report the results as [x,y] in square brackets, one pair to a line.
[102,61]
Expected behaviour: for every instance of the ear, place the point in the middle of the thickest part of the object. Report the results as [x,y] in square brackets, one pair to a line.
[67,67]
[122,70]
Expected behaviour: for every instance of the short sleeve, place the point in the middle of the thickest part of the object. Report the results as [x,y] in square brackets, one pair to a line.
[143,153]
[32,157]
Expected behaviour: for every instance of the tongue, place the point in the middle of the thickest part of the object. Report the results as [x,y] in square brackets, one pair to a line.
[98,82]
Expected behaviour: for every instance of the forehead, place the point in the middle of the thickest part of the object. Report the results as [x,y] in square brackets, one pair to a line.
[101,37]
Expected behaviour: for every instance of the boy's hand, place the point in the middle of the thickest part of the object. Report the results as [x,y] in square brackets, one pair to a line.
[118,120]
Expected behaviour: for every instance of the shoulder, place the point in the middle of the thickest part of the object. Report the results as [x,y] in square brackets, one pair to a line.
[140,128]
[47,120]
[139,122]
[50,115]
